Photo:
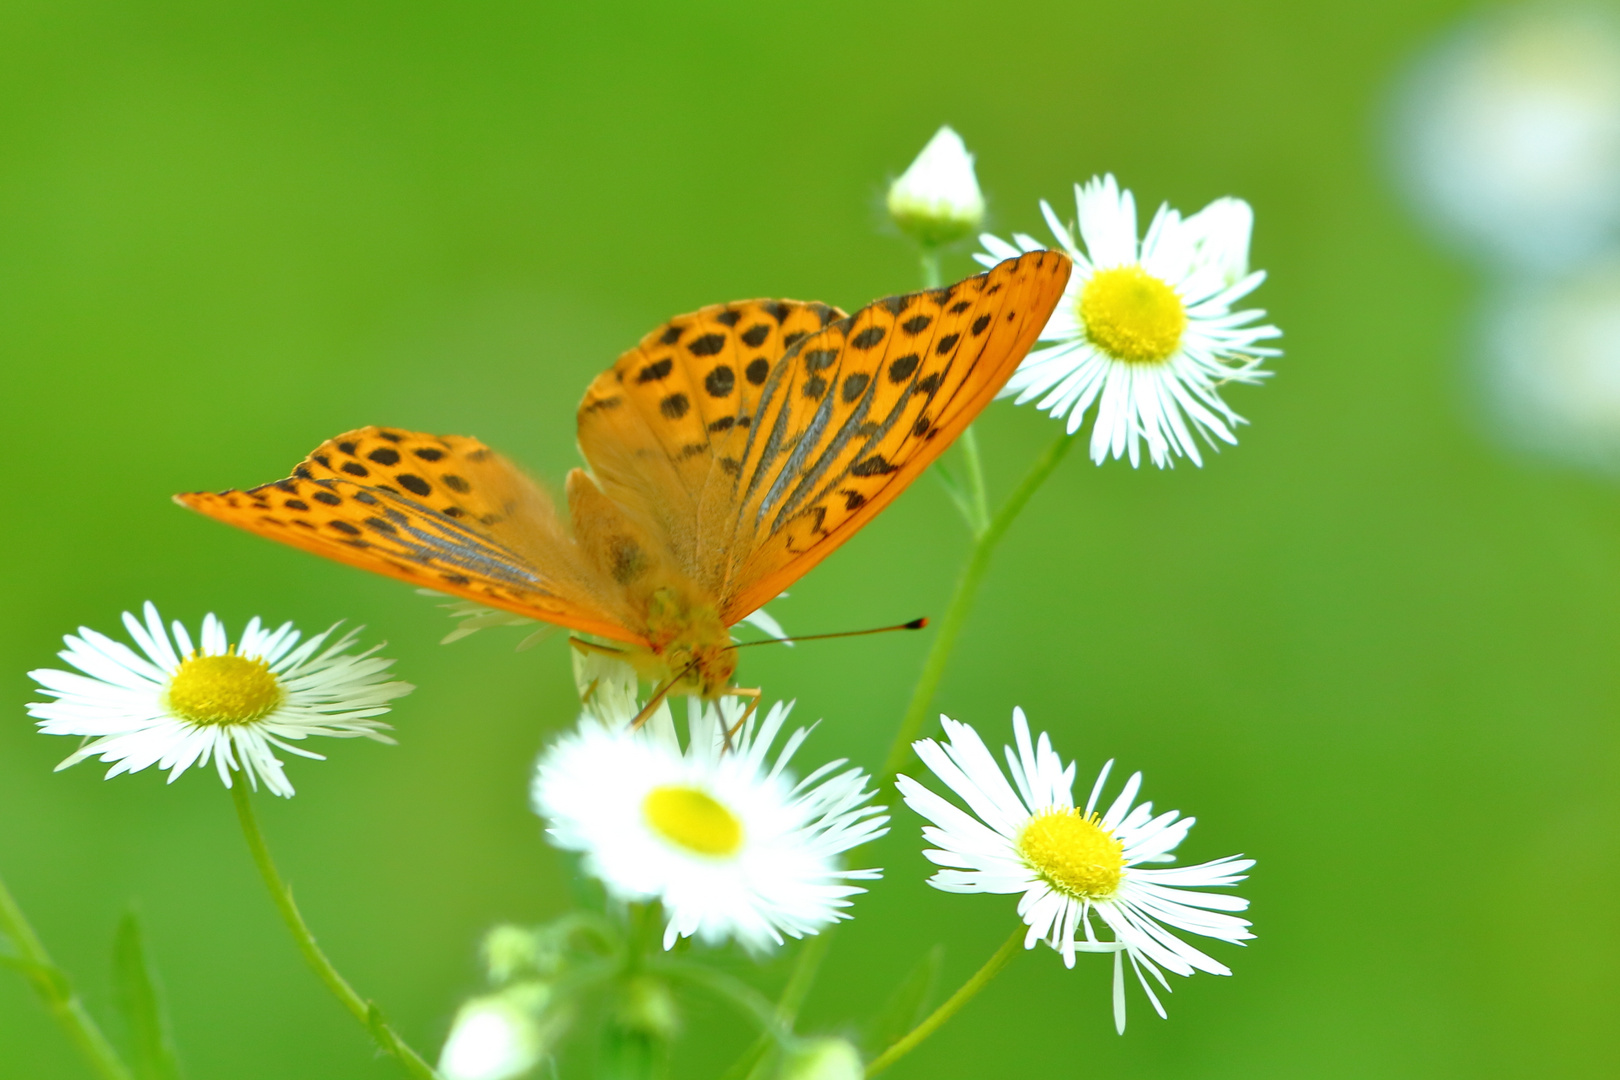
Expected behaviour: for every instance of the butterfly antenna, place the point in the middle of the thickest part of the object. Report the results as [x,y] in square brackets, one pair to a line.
[914,624]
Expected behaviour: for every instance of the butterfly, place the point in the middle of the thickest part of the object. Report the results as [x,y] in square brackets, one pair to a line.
[730,451]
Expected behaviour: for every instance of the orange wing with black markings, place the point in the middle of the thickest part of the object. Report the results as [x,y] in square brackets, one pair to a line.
[731,451]
[755,438]
[856,413]
[446,513]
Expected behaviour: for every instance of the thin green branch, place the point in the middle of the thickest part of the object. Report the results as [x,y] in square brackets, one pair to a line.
[806,965]
[978,495]
[932,276]
[51,984]
[967,588]
[755,1005]
[953,1004]
[366,1012]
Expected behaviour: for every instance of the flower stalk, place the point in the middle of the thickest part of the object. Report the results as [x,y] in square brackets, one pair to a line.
[953,1004]
[967,588]
[366,1012]
[51,984]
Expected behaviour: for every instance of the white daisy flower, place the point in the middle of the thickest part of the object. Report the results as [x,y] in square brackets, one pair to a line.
[1073,867]
[722,835]
[181,704]
[1145,331]
[937,200]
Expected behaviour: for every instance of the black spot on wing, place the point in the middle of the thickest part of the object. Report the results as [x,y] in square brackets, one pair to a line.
[868,338]
[707,345]
[720,381]
[656,370]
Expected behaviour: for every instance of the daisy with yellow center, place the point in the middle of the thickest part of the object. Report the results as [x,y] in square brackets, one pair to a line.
[1074,868]
[730,844]
[175,704]
[1145,331]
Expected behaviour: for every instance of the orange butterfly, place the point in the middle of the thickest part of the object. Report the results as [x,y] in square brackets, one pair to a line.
[729,452]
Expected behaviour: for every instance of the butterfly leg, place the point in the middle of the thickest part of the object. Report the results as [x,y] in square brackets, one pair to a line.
[659,695]
[736,691]
[592,647]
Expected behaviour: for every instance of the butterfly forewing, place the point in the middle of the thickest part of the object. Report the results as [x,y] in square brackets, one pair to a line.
[854,413]
[664,428]
[444,513]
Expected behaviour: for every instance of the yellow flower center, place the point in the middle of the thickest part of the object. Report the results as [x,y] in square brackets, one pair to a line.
[1075,854]
[692,819]
[227,689]
[1132,315]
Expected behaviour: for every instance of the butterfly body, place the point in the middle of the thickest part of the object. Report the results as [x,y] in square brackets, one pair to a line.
[729,452]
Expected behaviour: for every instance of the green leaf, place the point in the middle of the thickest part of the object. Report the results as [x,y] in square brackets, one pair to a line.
[907,1006]
[135,985]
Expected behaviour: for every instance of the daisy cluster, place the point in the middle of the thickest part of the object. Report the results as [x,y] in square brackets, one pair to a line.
[709,823]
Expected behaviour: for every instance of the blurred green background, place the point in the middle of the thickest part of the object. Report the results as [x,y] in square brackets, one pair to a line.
[1362,647]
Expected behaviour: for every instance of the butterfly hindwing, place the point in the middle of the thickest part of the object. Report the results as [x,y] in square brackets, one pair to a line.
[443,513]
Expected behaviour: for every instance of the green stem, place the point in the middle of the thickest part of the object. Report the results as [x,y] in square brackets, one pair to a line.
[747,1000]
[932,276]
[953,1004]
[753,1062]
[967,587]
[54,989]
[362,1010]
[978,494]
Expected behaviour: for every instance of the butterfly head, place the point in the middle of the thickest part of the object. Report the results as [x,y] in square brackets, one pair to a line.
[688,636]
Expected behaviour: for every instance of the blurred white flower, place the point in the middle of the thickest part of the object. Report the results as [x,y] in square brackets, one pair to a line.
[822,1059]
[180,705]
[1146,331]
[1507,134]
[1551,366]
[718,832]
[500,1036]
[937,200]
[1073,866]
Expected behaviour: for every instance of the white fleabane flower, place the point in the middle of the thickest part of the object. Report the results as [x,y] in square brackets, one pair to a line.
[1145,331]
[180,705]
[937,200]
[1073,867]
[719,832]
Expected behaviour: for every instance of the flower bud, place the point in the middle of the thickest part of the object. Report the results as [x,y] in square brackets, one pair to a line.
[510,951]
[937,200]
[646,1006]
[499,1036]
[822,1059]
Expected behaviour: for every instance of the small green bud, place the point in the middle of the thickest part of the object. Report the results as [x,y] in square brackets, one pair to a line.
[646,1006]
[937,200]
[510,951]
